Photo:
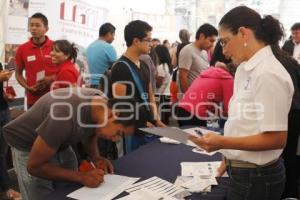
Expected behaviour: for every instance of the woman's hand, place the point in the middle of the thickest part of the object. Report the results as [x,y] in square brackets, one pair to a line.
[209,142]
[160,124]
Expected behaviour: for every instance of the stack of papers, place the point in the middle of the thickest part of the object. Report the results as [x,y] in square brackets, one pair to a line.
[112,186]
[158,186]
[196,184]
[198,176]
[200,168]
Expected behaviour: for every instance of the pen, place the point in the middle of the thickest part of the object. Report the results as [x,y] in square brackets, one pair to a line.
[199,132]
[92,164]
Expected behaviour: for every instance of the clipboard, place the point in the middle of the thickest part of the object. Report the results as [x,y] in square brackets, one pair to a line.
[172,133]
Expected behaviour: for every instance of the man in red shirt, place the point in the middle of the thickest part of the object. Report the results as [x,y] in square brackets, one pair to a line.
[34,57]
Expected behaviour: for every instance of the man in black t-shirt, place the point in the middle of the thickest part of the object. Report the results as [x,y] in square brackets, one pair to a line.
[137,35]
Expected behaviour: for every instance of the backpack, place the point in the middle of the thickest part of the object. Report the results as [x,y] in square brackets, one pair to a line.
[107,148]
[105,83]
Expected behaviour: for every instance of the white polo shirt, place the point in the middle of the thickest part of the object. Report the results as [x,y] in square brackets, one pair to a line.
[261,101]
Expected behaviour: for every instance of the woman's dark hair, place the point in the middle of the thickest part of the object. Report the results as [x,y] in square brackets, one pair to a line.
[163,56]
[67,48]
[218,55]
[154,57]
[267,29]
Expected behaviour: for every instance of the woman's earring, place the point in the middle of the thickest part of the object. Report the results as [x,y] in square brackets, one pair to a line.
[245,44]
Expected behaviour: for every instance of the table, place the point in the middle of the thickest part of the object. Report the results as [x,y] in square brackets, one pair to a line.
[157,159]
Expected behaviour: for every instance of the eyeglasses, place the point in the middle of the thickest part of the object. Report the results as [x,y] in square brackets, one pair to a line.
[146,40]
[224,41]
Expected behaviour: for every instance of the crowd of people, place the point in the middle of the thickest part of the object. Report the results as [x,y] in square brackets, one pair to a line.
[237,74]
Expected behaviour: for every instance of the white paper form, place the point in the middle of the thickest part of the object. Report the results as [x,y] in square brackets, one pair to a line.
[201,176]
[198,184]
[200,168]
[172,133]
[195,184]
[159,186]
[112,186]
[40,75]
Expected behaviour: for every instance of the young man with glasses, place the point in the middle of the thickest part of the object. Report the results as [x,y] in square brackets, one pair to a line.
[137,35]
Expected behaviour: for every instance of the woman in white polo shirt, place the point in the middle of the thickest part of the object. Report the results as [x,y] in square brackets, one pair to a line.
[256,130]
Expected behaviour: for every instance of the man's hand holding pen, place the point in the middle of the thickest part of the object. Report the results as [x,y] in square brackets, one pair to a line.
[92,173]
[92,178]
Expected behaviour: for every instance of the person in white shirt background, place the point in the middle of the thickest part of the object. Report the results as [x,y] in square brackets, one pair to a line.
[164,69]
[256,130]
[163,78]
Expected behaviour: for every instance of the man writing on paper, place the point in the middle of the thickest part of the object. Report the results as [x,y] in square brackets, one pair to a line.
[41,138]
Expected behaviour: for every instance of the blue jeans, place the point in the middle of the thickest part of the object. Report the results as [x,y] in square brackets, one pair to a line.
[266,183]
[34,188]
[4,178]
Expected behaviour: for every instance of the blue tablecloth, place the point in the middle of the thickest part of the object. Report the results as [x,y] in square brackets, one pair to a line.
[157,159]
